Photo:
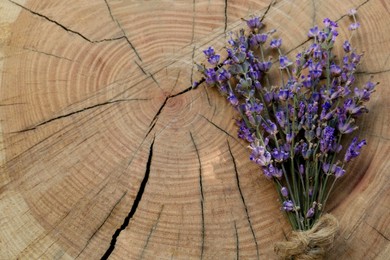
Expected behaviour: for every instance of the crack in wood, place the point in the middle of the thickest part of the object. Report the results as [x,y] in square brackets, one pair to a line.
[226,15]
[192,68]
[377,231]
[237,242]
[102,224]
[373,72]
[150,75]
[208,98]
[75,112]
[156,116]
[64,27]
[154,227]
[314,17]
[220,128]
[267,10]
[123,31]
[47,54]
[134,208]
[243,199]
[203,231]
[193,21]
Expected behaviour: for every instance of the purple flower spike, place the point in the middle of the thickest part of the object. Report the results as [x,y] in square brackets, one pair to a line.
[284,62]
[275,43]
[370,86]
[335,70]
[211,76]
[352,12]
[284,191]
[259,155]
[313,32]
[310,213]
[283,94]
[288,205]
[254,23]
[354,149]
[213,60]
[270,127]
[279,155]
[329,23]
[281,118]
[224,75]
[232,99]
[362,94]
[347,46]
[339,172]
[354,26]
[209,52]
[258,39]
[301,169]
[346,127]
[265,66]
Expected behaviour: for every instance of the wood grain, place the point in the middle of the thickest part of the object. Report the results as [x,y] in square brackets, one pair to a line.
[107,151]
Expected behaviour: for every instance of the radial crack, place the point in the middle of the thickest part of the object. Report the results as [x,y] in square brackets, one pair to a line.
[267,10]
[48,54]
[64,27]
[377,231]
[237,241]
[123,31]
[136,202]
[193,21]
[192,69]
[75,112]
[226,15]
[314,17]
[154,227]
[201,195]
[373,72]
[148,74]
[219,128]
[243,200]
[101,225]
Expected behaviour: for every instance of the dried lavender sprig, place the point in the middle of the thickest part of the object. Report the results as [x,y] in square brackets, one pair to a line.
[299,123]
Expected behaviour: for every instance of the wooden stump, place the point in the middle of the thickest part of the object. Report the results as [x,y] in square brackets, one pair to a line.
[107,151]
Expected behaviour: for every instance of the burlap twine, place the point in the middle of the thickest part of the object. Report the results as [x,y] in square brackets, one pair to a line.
[311,244]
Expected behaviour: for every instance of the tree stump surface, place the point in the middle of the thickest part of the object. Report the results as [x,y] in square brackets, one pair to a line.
[107,151]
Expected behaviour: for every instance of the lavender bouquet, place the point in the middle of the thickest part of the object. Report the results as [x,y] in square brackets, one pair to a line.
[295,127]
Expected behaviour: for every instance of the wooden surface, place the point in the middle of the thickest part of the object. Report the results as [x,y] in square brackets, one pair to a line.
[101,135]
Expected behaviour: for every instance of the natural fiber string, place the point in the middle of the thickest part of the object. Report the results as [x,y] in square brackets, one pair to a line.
[311,244]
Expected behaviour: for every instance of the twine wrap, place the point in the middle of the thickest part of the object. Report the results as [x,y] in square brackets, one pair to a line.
[310,244]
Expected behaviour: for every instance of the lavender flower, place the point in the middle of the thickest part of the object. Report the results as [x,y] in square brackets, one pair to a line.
[347,46]
[288,205]
[254,23]
[354,26]
[233,99]
[257,39]
[313,32]
[213,60]
[275,43]
[270,127]
[354,149]
[284,62]
[352,12]
[284,192]
[310,213]
[260,155]
[209,52]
